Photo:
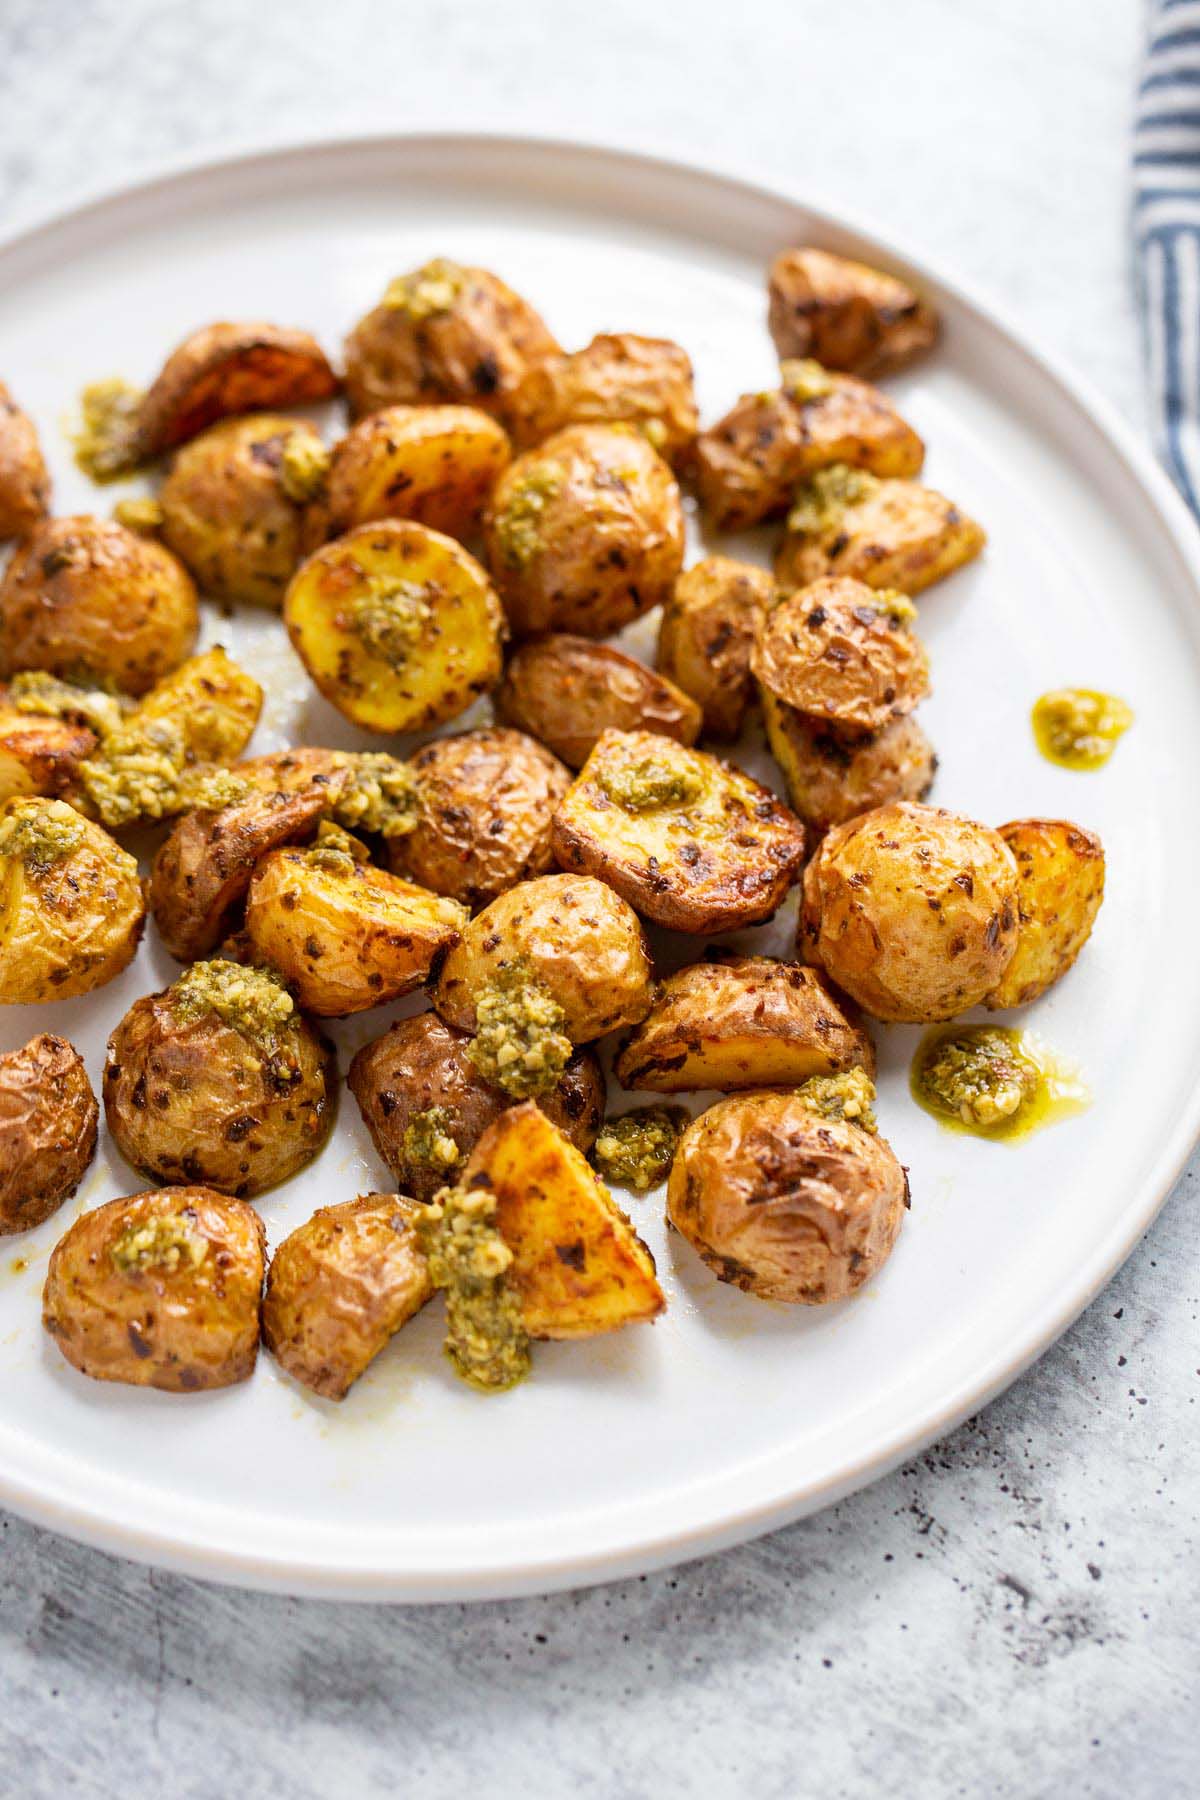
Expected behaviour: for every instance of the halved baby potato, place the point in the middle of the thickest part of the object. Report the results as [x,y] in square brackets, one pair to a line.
[228,368]
[832,775]
[706,635]
[1060,871]
[48,1120]
[214,702]
[619,378]
[889,534]
[844,653]
[568,690]
[846,313]
[435,464]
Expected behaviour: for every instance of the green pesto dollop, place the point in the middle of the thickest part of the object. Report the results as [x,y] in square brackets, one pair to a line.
[380,795]
[1078,728]
[896,607]
[645,784]
[141,515]
[519,1042]
[802,379]
[336,850]
[518,523]
[303,467]
[389,618]
[40,833]
[486,1341]
[168,1241]
[106,438]
[253,1002]
[993,1082]
[820,504]
[36,691]
[428,1140]
[846,1096]
[427,292]
[637,1150]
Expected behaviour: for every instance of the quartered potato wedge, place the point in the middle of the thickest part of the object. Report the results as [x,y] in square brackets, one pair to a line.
[845,313]
[1060,870]
[889,534]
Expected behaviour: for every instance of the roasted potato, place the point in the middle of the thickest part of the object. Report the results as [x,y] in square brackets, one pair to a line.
[426,1105]
[912,910]
[444,333]
[846,314]
[159,1290]
[833,775]
[578,1266]
[568,690]
[39,755]
[785,1203]
[584,533]
[705,638]
[215,704]
[485,802]
[24,478]
[436,464]
[617,379]
[741,1022]
[890,534]
[1060,870]
[398,626]
[48,1119]
[692,843]
[84,597]
[71,907]
[340,1286]
[843,653]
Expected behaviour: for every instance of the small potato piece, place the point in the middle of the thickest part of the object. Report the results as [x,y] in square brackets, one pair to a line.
[579,940]
[846,314]
[568,690]
[214,702]
[486,799]
[39,755]
[692,843]
[1060,868]
[399,626]
[229,368]
[159,1290]
[416,1087]
[578,1265]
[71,907]
[617,379]
[912,910]
[584,533]
[345,935]
[436,464]
[889,534]
[48,1119]
[843,653]
[706,636]
[784,1203]
[833,776]
[743,1022]
[24,478]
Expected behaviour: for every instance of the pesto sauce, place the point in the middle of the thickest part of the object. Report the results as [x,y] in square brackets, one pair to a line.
[820,504]
[991,1081]
[166,1241]
[389,619]
[486,1341]
[1078,728]
[381,795]
[846,1096]
[253,1002]
[637,1149]
[519,1043]
[40,833]
[645,785]
[106,441]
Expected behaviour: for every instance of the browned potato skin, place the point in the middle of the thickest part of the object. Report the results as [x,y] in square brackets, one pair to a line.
[911,910]
[609,542]
[619,378]
[48,1119]
[39,755]
[486,799]
[831,652]
[73,927]
[24,478]
[579,938]
[706,635]
[1061,872]
[904,536]
[568,690]
[181,1330]
[229,368]
[833,776]
[784,1204]
[340,1286]
[845,314]
[191,1101]
[435,464]
[741,1022]
[421,1062]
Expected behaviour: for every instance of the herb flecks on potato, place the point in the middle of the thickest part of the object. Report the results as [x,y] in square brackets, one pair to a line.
[1060,869]
[844,653]
[486,1341]
[566,690]
[48,1119]
[833,774]
[888,533]
[845,313]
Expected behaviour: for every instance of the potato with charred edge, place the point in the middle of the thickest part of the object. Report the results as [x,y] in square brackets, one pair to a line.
[39,755]
[71,907]
[617,379]
[1060,869]
[48,1119]
[159,1290]
[340,1286]
[706,635]
[585,533]
[912,910]
[784,1202]
[741,1022]
[24,478]
[436,464]
[692,843]
[568,690]
[843,653]
[889,534]
[215,703]
[846,314]
[833,775]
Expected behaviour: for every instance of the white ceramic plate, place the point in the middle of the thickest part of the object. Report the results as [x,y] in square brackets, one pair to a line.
[730,1415]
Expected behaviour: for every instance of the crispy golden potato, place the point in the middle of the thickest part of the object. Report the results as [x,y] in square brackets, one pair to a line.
[846,314]
[912,910]
[39,755]
[71,906]
[426,1105]
[890,534]
[215,703]
[159,1290]
[577,938]
[585,533]
[843,653]
[741,1022]
[617,379]
[706,635]
[48,1119]
[568,690]
[398,626]
[485,799]
[833,775]
[694,844]
[444,333]
[436,464]
[340,1286]
[224,369]
[578,1266]
[24,478]
[83,597]
[784,1203]
[747,466]
[1060,869]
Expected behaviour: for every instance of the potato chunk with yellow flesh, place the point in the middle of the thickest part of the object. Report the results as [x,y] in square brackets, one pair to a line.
[214,703]
[436,464]
[1060,869]
[890,534]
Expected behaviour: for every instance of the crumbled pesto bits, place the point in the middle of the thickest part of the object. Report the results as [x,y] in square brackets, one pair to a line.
[846,1096]
[820,504]
[637,1150]
[519,1041]
[166,1241]
[486,1341]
